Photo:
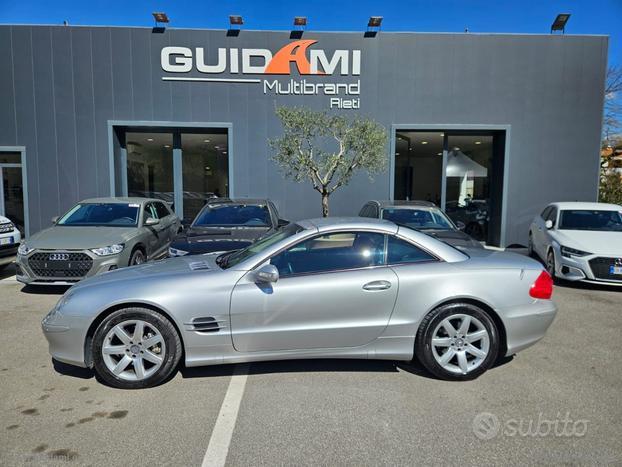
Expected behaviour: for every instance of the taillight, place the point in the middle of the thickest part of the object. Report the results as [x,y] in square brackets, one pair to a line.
[542,287]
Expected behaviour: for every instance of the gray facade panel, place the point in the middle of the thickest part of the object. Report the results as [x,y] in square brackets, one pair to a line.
[71,81]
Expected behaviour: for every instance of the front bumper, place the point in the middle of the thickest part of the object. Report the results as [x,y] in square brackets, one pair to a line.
[44,271]
[66,337]
[8,251]
[591,268]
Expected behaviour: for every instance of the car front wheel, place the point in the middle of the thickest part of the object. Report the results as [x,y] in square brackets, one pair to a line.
[135,348]
[138,257]
[458,341]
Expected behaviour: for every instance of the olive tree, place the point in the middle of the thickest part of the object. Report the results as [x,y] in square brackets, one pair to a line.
[327,149]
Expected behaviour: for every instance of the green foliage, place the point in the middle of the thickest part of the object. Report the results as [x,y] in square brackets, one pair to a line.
[302,152]
[610,190]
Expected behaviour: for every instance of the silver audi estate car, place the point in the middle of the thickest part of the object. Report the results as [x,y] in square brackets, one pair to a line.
[320,288]
[96,236]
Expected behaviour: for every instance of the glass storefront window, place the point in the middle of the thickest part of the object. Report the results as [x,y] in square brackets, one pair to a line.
[150,165]
[205,169]
[12,196]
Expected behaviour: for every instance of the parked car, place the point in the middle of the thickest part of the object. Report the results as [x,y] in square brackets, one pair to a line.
[473,213]
[579,241]
[10,238]
[320,288]
[424,216]
[226,224]
[96,236]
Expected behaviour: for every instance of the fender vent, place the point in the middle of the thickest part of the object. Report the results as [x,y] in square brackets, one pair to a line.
[206,324]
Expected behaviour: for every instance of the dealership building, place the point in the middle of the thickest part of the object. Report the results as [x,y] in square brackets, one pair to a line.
[491,127]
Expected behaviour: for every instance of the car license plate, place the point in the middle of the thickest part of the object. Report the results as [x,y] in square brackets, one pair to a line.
[615,270]
[6,241]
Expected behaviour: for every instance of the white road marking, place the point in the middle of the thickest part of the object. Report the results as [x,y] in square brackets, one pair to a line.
[218,446]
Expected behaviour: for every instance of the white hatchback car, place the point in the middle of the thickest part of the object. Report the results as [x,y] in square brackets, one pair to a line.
[9,242]
[579,241]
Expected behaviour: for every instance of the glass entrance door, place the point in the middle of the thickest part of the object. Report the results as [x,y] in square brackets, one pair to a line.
[12,189]
[181,167]
[459,171]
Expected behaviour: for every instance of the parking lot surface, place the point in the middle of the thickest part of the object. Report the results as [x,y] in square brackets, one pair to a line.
[557,402]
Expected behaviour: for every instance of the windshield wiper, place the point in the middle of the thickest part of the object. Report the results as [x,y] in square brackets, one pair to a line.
[223,259]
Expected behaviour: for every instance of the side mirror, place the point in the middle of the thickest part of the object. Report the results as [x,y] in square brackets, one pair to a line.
[549,224]
[55,219]
[282,223]
[267,273]
[461,225]
[151,221]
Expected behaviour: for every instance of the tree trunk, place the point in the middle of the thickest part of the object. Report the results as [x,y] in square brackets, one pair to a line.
[325,203]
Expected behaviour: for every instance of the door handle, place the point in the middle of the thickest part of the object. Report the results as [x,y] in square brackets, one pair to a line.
[377,285]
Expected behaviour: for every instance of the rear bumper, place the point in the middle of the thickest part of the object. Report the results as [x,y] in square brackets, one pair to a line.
[527,325]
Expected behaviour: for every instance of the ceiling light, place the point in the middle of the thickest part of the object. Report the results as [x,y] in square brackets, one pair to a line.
[167,146]
[397,153]
[439,153]
[478,142]
[149,139]
[442,134]
[424,142]
[206,140]
[208,167]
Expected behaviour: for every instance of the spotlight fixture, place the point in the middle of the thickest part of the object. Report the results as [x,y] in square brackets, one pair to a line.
[560,22]
[236,20]
[374,22]
[160,17]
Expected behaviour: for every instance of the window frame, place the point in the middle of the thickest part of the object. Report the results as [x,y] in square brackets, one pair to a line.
[385,263]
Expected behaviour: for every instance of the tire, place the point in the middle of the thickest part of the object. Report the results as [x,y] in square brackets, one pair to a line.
[457,367]
[138,257]
[550,263]
[134,359]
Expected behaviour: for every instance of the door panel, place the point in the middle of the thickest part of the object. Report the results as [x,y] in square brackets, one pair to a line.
[327,310]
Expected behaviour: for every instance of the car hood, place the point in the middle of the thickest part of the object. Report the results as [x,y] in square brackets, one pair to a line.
[598,243]
[455,238]
[167,267]
[80,238]
[197,240]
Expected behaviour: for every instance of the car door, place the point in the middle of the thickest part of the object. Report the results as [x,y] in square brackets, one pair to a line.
[169,223]
[155,234]
[334,291]
[547,240]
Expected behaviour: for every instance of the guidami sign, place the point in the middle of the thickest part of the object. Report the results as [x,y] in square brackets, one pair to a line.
[249,61]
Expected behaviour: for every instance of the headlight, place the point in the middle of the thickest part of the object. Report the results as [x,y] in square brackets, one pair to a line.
[568,252]
[109,250]
[24,249]
[176,252]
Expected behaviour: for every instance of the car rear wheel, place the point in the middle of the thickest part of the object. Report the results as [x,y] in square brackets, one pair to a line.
[458,341]
[138,257]
[135,348]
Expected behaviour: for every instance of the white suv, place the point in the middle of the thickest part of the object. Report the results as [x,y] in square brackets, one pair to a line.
[9,242]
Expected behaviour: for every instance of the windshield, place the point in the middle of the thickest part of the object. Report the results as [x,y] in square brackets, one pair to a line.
[228,260]
[249,215]
[418,219]
[102,214]
[583,219]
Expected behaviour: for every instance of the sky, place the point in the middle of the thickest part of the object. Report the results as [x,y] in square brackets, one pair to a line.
[515,16]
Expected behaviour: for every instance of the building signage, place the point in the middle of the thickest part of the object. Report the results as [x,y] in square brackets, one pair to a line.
[308,62]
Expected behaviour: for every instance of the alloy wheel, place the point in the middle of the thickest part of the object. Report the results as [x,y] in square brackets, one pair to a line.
[138,258]
[460,343]
[133,350]
[550,264]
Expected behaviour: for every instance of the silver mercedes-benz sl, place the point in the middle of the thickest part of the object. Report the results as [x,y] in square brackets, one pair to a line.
[320,288]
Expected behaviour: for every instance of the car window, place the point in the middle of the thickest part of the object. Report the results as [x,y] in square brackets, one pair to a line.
[419,219]
[365,211]
[596,220]
[228,214]
[161,210]
[546,211]
[400,251]
[331,252]
[101,214]
[552,215]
